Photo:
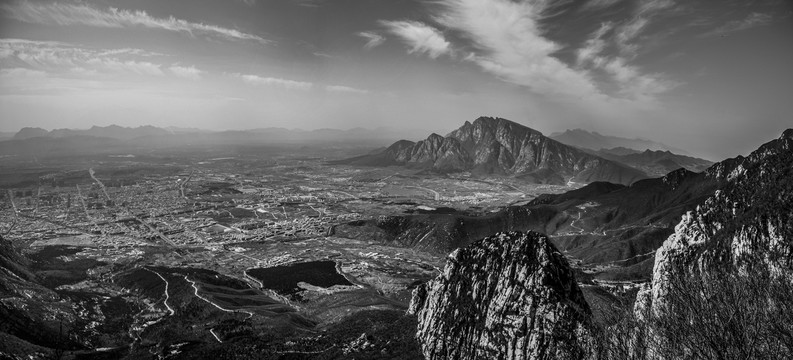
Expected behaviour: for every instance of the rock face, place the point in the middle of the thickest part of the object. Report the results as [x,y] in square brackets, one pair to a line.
[499,146]
[747,224]
[507,296]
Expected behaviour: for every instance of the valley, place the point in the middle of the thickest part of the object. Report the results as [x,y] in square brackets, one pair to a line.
[154,241]
[156,252]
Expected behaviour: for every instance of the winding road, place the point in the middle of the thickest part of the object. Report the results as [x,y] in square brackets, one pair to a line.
[170,309]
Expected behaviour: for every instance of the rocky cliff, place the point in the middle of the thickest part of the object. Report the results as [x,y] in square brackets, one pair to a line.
[746,225]
[507,296]
[499,146]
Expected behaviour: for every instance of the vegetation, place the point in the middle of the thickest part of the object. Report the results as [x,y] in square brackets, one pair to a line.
[713,315]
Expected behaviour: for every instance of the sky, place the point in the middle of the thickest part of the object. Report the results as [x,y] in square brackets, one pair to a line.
[714,77]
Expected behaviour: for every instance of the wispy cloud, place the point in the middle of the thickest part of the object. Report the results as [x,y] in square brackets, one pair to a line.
[507,38]
[132,66]
[509,43]
[420,37]
[345,89]
[373,40]
[750,21]
[89,15]
[599,4]
[59,57]
[595,45]
[271,81]
[309,3]
[629,81]
[187,72]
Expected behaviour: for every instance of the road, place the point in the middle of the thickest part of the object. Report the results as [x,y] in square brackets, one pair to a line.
[170,309]
[437,196]
[195,287]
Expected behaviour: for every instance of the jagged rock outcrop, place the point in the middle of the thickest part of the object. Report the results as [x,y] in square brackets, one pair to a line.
[507,296]
[747,224]
[499,146]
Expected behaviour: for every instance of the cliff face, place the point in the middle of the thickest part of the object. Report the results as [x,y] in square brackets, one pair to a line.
[746,225]
[499,146]
[507,296]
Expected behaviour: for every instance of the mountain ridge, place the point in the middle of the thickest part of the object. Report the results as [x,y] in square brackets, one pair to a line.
[595,141]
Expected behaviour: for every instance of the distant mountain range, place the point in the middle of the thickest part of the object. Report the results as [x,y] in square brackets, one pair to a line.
[594,141]
[271,134]
[112,131]
[114,139]
[488,146]
[499,146]
[655,163]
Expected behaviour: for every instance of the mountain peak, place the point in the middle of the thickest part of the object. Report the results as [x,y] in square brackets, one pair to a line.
[500,146]
[498,123]
[434,136]
[510,295]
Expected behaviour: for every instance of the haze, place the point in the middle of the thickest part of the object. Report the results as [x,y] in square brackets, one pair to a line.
[711,77]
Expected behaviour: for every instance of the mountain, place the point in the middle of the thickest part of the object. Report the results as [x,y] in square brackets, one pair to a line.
[30,132]
[594,141]
[601,223]
[499,146]
[507,296]
[745,225]
[655,162]
[112,131]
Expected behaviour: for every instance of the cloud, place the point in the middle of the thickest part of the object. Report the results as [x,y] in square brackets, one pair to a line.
[629,81]
[345,89]
[594,45]
[599,4]
[507,39]
[188,72]
[136,67]
[421,38]
[53,56]
[270,81]
[373,40]
[509,43]
[84,14]
[309,3]
[750,21]
[634,84]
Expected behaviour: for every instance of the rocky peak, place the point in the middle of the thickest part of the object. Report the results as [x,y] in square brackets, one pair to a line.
[731,168]
[675,178]
[787,134]
[500,146]
[507,296]
[745,224]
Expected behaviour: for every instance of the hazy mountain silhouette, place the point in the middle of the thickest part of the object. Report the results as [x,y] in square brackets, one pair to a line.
[594,141]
